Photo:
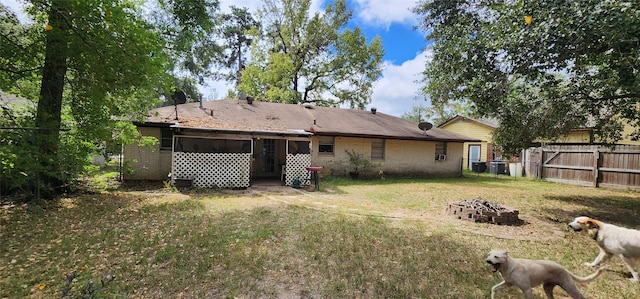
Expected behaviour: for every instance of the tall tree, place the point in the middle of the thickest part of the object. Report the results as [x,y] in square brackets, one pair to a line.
[298,58]
[540,67]
[100,61]
[237,43]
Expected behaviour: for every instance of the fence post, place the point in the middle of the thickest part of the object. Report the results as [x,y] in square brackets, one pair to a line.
[540,164]
[596,167]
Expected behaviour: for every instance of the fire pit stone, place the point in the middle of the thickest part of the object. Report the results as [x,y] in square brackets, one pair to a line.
[480,210]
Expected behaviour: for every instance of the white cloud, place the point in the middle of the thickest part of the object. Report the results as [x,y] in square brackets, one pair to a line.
[395,93]
[384,12]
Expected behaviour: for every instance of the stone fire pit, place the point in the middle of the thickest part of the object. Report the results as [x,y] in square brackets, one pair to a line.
[480,210]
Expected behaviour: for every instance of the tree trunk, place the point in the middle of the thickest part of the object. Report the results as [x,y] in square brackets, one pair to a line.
[47,135]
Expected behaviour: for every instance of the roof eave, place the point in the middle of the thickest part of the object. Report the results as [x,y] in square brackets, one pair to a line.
[250,132]
[422,138]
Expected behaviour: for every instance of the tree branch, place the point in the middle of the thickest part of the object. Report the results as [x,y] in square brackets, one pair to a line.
[616,97]
[19,72]
[9,40]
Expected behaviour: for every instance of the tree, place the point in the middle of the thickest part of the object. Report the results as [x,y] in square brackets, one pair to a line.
[419,113]
[541,68]
[235,27]
[298,58]
[98,62]
[436,114]
[188,30]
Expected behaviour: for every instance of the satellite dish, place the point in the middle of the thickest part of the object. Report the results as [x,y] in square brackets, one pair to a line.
[425,126]
[179,97]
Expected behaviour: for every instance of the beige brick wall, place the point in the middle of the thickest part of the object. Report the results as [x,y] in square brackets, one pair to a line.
[148,163]
[406,157]
[402,157]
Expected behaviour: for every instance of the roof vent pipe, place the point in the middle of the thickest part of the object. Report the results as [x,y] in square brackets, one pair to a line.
[373,110]
[201,107]
[249,100]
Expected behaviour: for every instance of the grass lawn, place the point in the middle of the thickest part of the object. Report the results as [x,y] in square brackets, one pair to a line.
[353,239]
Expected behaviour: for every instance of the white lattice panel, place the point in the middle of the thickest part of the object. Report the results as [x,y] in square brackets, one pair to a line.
[296,168]
[210,170]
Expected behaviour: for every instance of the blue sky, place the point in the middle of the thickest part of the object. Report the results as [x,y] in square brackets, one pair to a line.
[404,60]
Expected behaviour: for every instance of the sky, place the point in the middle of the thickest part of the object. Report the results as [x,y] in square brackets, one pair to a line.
[405,55]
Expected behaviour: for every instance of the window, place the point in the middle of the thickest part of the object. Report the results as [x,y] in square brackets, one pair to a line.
[166,138]
[206,145]
[325,145]
[377,149]
[298,147]
[441,151]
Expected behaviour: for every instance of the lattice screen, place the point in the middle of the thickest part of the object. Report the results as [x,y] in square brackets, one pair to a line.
[296,168]
[210,170]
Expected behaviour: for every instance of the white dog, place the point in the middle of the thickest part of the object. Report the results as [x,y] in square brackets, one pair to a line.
[613,241]
[526,274]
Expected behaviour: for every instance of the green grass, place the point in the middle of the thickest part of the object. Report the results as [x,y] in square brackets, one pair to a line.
[354,239]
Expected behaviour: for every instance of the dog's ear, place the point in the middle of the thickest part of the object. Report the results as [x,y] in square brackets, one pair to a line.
[592,224]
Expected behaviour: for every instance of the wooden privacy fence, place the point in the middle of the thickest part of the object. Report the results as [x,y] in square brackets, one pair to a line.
[588,165]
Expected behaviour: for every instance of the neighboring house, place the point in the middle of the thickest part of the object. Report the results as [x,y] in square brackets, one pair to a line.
[482,129]
[230,143]
[582,136]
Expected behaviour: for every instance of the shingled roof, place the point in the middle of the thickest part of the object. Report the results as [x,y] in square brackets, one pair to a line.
[237,115]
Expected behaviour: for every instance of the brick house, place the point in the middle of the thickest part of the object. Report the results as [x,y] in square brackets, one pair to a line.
[230,143]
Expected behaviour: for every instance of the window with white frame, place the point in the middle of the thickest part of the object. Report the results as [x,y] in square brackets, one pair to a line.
[377,149]
[326,145]
[441,151]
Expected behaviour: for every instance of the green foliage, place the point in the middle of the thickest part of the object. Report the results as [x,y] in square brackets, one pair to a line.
[188,29]
[16,154]
[575,65]
[91,66]
[297,58]
[437,114]
[21,159]
[419,113]
[358,161]
[20,53]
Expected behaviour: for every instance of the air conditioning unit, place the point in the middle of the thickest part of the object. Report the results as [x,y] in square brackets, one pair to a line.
[441,157]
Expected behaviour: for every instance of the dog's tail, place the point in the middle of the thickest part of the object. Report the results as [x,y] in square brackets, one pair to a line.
[588,278]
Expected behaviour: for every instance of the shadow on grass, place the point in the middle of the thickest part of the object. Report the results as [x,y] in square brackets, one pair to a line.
[143,185]
[177,248]
[620,210]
